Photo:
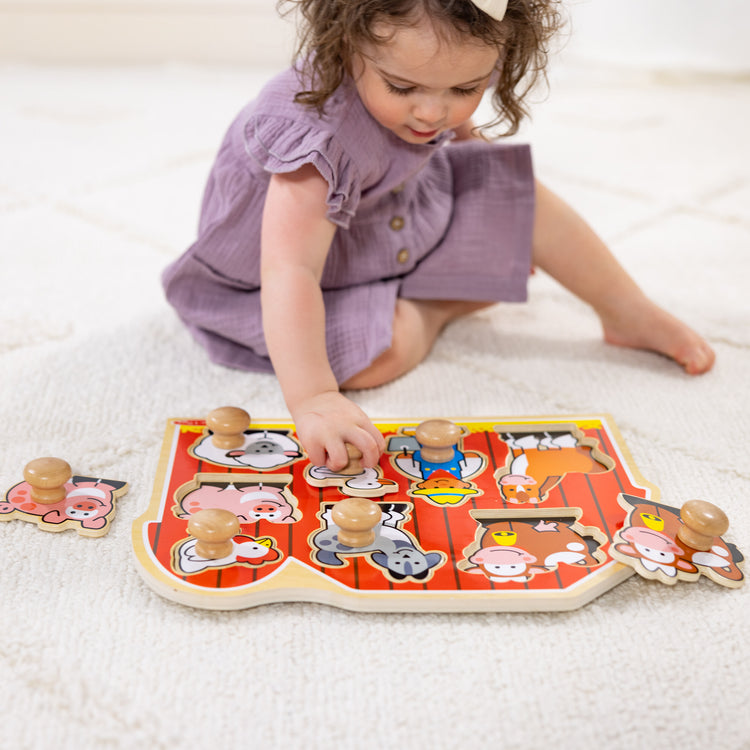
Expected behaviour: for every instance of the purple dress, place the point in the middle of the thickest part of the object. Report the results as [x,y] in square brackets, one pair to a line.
[440,220]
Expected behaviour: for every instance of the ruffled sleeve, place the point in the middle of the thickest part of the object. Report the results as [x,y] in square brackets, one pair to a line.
[280,144]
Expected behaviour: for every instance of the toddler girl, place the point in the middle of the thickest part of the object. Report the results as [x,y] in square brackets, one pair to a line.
[341,231]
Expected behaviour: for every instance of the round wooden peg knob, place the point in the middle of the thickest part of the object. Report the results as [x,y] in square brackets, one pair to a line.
[228,424]
[47,477]
[437,439]
[354,465]
[356,518]
[701,523]
[213,528]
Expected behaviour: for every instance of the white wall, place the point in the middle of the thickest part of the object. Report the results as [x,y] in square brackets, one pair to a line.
[680,35]
[672,34]
[143,31]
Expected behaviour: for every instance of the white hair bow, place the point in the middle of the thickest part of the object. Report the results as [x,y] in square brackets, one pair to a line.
[493,8]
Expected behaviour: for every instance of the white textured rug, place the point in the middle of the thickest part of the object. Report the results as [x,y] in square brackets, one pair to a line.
[99,187]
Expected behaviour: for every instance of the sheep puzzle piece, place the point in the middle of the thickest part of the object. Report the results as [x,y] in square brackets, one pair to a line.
[469,515]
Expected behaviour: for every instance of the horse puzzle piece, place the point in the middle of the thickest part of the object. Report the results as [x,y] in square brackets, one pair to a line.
[55,500]
[663,544]
[538,462]
[447,536]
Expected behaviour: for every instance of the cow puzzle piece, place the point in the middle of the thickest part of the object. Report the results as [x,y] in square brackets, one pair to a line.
[665,544]
[514,546]
[55,499]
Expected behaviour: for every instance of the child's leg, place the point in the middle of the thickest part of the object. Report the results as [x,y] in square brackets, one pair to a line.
[416,325]
[568,249]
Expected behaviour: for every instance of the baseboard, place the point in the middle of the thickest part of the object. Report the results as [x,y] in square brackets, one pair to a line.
[140,32]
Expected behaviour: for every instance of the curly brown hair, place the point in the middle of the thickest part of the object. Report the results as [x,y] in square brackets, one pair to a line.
[331,32]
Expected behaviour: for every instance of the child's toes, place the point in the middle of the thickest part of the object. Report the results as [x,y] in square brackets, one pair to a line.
[698,359]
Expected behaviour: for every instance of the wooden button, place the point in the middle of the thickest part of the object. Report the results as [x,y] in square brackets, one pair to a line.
[701,523]
[356,518]
[213,529]
[47,477]
[437,439]
[228,425]
[403,255]
[397,223]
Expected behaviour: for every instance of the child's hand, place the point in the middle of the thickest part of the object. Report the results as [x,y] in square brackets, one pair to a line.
[327,421]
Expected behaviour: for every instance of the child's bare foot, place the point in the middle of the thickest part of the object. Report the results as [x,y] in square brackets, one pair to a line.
[657,330]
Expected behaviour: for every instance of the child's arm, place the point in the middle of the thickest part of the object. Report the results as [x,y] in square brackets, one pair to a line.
[295,239]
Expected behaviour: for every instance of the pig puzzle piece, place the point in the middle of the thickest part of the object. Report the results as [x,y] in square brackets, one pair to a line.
[477,515]
[665,544]
[56,500]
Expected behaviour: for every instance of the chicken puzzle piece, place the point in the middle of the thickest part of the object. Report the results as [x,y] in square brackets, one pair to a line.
[215,542]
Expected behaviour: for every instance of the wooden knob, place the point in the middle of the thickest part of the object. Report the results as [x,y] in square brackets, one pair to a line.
[47,477]
[228,423]
[213,529]
[701,523]
[437,439]
[356,518]
[354,465]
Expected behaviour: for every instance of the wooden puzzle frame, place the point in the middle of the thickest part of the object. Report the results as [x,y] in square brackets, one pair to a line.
[278,562]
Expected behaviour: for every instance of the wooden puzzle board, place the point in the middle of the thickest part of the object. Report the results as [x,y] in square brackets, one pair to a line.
[461,536]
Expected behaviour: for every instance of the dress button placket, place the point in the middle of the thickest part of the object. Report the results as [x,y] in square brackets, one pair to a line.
[397,223]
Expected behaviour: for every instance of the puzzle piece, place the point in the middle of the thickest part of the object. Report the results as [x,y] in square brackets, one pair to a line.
[652,542]
[54,499]
[356,518]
